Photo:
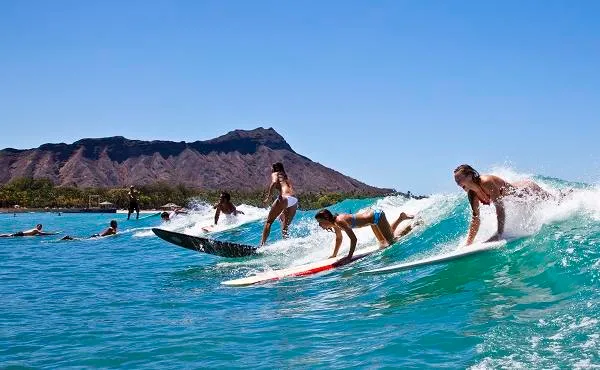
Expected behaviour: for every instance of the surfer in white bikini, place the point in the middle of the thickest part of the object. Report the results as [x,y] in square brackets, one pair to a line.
[488,189]
[384,232]
[284,206]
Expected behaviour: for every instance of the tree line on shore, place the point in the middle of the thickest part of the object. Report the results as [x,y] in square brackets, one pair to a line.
[42,193]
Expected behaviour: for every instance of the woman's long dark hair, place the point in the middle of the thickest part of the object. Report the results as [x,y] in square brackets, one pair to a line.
[466,169]
[325,215]
[278,168]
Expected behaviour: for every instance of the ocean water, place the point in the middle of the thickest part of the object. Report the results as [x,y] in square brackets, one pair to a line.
[135,301]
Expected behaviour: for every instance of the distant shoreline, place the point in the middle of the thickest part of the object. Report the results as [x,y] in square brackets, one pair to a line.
[41,195]
[68,210]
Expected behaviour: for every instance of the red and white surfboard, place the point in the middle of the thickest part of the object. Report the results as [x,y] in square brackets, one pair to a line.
[302,270]
[309,268]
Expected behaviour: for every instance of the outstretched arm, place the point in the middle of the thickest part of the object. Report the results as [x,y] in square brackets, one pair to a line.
[352,237]
[338,242]
[475,220]
[217,214]
[501,217]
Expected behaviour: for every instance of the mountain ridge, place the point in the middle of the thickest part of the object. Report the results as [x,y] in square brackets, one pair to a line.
[239,159]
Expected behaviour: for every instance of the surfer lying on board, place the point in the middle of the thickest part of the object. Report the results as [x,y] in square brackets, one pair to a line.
[167,216]
[385,234]
[36,231]
[112,230]
[488,189]
[284,206]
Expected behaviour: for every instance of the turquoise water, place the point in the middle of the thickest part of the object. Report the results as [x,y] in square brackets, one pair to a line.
[136,301]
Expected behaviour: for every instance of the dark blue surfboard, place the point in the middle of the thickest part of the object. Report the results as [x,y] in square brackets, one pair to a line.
[204,245]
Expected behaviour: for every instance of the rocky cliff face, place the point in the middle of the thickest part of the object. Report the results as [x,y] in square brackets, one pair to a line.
[239,160]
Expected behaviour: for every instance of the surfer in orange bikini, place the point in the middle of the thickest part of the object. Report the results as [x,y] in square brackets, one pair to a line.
[384,232]
[488,189]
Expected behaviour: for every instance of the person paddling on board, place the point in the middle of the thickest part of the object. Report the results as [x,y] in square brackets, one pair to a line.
[36,231]
[111,230]
[488,189]
[133,202]
[167,216]
[384,232]
[284,206]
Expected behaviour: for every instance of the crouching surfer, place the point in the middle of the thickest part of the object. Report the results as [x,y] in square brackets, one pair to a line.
[385,233]
[490,189]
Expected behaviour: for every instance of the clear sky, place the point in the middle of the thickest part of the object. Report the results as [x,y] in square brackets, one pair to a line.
[394,93]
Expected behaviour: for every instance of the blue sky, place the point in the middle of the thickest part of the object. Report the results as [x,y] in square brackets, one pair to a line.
[394,93]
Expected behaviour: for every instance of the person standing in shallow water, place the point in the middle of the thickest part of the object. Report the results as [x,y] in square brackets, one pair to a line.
[284,206]
[488,189]
[133,202]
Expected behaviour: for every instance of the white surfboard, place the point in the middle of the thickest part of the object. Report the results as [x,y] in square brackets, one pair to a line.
[461,252]
[302,270]
[309,268]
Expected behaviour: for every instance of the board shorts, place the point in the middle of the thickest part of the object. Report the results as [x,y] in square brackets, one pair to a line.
[134,206]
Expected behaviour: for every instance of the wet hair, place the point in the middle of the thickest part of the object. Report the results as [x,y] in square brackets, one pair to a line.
[113,224]
[40,226]
[468,170]
[164,215]
[225,195]
[325,215]
[278,167]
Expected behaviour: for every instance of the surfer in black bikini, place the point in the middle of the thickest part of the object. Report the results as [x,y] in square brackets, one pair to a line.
[384,232]
[284,206]
[111,230]
[488,189]
[36,231]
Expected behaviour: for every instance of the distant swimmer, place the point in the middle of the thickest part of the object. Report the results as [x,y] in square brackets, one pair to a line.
[111,230]
[133,195]
[384,232]
[284,206]
[488,189]
[36,231]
